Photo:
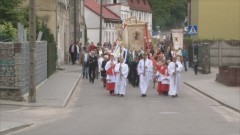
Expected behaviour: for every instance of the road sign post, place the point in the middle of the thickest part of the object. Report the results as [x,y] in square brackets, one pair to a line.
[192,30]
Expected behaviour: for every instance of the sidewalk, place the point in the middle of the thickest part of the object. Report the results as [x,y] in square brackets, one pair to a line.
[206,84]
[57,89]
[54,92]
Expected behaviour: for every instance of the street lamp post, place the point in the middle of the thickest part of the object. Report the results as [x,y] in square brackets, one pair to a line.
[100,31]
[75,21]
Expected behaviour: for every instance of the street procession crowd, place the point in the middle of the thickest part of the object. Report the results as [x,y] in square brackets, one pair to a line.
[161,65]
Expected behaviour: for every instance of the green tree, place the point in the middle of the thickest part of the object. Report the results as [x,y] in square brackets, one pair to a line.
[8,32]
[168,13]
[9,11]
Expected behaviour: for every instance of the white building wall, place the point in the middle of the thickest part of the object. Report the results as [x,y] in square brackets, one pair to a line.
[91,18]
[125,12]
[93,35]
[62,33]
[142,16]
[115,9]
[93,27]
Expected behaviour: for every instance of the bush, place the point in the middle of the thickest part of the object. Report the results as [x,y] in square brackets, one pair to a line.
[8,32]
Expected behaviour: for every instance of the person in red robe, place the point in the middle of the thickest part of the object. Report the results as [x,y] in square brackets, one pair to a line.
[165,79]
[157,66]
[92,47]
[111,76]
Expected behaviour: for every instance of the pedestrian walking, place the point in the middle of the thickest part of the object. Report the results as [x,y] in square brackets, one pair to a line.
[145,69]
[92,47]
[92,64]
[111,78]
[103,71]
[100,60]
[73,52]
[78,53]
[158,61]
[121,70]
[84,63]
[174,69]
[185,58]
[165,79]
[195,64]
[134,73]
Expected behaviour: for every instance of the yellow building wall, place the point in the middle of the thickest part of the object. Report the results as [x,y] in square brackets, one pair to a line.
[219,19]
[194,12]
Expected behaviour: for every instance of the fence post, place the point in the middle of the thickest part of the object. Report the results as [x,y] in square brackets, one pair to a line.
[219,53]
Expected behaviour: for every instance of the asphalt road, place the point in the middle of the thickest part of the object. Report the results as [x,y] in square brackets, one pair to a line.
[92,111]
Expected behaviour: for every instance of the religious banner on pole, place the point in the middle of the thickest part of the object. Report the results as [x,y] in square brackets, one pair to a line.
[177,38]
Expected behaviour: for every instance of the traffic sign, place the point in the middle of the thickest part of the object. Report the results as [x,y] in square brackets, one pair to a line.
[192,29]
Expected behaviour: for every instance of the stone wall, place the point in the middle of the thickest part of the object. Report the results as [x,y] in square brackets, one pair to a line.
[229,75]
[14,68]
[225,53]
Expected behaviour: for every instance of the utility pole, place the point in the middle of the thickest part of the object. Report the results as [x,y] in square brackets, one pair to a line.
[32,47]
[100,33]
[81,20]
[75,21]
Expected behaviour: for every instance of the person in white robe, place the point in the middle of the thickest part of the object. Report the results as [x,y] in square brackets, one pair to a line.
[121,70]
[145,72]
[100,60]
[174,69]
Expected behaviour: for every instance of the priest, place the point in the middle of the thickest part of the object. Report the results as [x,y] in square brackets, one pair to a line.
[145,71]
[174,69]
[121,70]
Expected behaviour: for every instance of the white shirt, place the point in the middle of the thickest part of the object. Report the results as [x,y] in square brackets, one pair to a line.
[100,60]
[85,57]
[148,66]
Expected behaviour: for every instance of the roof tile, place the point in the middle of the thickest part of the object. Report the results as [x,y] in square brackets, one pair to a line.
[141,5]
[106,13]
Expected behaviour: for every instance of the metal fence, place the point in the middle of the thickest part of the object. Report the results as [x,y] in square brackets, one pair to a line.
[14,66]
[51,59]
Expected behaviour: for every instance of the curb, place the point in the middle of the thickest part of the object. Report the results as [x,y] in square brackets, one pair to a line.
[15,129]
[211,97]
[71,91]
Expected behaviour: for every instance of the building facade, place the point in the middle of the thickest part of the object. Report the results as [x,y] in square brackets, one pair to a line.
[140,9]
[55,14]
[80,24]
[92,19]
[216,20]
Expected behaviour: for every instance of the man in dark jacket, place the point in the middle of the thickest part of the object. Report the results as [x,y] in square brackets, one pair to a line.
[73,52]
[134,74]
[92,64]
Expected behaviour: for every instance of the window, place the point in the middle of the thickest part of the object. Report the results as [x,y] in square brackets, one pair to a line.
[143,16]
[113,37]
[105,36]
[114,1]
